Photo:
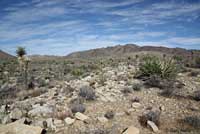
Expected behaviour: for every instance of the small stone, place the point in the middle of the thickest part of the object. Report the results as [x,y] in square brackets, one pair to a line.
[69,121]
[81,116]
[136,105]
[109,115]
[102,119]
[129,111]
[131,130]
[153,126]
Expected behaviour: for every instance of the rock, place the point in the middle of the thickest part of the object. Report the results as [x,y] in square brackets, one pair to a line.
[16,114]
[17,128]
[58,123]
[136,105]
[81,116]
[153,126]
[102,119]
[69,121]
[129,111]
[50,124]
[41,111]
[131,130]
[24,121]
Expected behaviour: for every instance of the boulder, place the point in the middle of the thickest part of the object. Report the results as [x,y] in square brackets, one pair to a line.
[41,111]
[17,128]
[81,116]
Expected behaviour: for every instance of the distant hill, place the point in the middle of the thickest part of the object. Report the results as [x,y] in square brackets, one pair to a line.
[121,50]
[4,55]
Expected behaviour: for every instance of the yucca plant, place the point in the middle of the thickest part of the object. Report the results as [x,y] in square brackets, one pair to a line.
[151,66]
[164,68]
[23,62]
[169,69]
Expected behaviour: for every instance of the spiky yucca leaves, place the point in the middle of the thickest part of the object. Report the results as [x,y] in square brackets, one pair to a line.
[151,66]
[20,51]
[164,68]
[169,68]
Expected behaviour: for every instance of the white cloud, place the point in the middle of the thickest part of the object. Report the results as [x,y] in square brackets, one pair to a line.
[185,40]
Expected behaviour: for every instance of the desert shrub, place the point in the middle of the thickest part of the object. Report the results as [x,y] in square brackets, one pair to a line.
[197,62]
[152,65]
[109,114]
[196,95]
[153,81]
[126,90]
[193,73]
[178,58]
[153,116]
[169,69]
[193,121]
[102,79]
[167,92]
[87,92]
[77,72]
[78,108]
[136,87]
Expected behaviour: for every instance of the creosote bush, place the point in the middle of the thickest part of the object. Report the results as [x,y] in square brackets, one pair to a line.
[87,92]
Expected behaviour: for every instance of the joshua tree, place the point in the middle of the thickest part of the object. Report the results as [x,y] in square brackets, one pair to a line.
[23,62]
[21,51]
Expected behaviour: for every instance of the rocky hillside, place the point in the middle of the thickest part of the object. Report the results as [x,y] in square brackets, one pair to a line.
[120,50]
[4,55]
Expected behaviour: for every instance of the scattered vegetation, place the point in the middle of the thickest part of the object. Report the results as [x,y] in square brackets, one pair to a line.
[109,114]
[136,87]
[193,121]
[78,108]
[87,92]
[196,95]
[152,65]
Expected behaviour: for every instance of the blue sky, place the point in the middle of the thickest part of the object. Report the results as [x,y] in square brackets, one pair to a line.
[59,27]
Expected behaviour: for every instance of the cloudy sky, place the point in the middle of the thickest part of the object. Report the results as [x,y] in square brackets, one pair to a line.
[58,27]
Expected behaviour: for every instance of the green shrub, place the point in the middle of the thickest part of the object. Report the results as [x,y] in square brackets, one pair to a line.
[150,66]
[77,72]
[197,62]
[137,87]
[164,68]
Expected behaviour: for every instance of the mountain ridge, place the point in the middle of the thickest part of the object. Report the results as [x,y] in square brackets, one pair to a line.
[121,50]
[4,55]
